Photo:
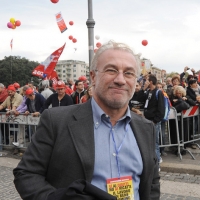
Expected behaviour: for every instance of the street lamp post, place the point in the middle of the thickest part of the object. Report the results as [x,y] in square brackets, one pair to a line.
[90,24]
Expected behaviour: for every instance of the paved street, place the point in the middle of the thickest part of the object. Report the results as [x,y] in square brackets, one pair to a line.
[174,186]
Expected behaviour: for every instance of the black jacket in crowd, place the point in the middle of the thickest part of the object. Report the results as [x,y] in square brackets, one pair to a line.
[77,96]
[191,93]
[155,110]
[53,99]
[39,103]
[134,103]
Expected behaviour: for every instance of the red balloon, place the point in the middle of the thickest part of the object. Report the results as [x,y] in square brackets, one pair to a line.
[17,23]
[144,42]
[98,44]
[74,40]
[70,37]
[54,1]
[71,23]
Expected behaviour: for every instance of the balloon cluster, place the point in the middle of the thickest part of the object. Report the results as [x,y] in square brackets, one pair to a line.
[13,24]
[74,40]
[98,44]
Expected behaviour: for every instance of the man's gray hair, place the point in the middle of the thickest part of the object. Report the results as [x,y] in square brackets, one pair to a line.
[25,87]
[115,46]
[45,83]
[2,85]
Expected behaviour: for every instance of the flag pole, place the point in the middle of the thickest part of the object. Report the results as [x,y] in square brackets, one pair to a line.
[11,43]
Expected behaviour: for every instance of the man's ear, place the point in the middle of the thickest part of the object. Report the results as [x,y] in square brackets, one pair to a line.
[92,77]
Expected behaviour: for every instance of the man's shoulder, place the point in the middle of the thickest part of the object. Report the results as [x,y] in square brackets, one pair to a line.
[75,109]
[138,118]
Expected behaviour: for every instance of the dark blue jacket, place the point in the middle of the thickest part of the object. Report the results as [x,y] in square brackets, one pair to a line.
[39,103]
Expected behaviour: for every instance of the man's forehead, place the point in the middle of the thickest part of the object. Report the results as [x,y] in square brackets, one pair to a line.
[117,60]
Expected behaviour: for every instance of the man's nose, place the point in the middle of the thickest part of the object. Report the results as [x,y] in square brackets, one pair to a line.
[120,79]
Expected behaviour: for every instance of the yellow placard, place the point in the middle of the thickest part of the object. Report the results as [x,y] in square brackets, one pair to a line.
[122,188]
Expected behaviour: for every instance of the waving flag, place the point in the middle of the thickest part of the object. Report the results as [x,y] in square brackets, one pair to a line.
[11,44]
[53,77]
[61,24]
[46,68]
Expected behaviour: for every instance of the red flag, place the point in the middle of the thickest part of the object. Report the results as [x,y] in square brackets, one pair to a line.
[54,77]
[47,67]
[11,44]
[199,78]
[61,24]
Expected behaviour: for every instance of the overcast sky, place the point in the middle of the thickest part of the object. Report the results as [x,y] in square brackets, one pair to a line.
[172,28]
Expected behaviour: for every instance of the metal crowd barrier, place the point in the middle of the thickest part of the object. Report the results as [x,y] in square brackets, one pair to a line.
[190,127]
[165,138]
[17,129]
[187,128]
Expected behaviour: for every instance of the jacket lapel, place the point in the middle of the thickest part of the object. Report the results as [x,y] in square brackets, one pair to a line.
[142,130]
[82,133]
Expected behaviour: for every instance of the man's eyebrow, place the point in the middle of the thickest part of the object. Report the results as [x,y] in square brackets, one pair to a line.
[115,67]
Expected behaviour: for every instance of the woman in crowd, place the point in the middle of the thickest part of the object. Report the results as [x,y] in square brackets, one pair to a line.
[175,83]
[193,90]
[180,101]
[87,96]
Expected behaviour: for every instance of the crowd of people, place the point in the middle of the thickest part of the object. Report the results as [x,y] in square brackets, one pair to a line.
[78,151]
[30,100]
[182,93]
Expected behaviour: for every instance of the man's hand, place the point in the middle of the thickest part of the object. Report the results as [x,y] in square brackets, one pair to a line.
[16,113]
[137,111]
[184,98]
[146,85]
[26,113]
[198,98]
[8,113]
[186,68]
[1,107]
[193,71]
[36,114]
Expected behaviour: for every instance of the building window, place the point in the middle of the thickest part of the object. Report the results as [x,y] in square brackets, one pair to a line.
[74,65]
[74,70]
[74,75]
[63,71]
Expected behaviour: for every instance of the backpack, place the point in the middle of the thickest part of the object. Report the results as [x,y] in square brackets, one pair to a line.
[167,106]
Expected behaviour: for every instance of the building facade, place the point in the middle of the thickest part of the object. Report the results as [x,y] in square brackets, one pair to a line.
[146,66]
[157,72]
[71,69]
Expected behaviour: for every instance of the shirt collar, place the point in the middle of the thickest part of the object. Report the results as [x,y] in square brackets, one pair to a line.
[98,114]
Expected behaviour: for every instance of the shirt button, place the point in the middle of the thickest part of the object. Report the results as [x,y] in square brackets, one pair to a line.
[114,154]
[97,123]
[107,116]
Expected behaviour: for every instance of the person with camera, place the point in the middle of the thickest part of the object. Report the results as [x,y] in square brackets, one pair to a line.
[190,76]
[154,108]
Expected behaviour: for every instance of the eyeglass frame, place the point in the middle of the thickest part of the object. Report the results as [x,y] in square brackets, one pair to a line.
[116,72]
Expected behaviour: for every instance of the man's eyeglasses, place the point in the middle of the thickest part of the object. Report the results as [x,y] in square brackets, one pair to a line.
[114,72]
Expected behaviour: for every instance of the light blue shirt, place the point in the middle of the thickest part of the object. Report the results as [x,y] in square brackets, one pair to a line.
[129,157]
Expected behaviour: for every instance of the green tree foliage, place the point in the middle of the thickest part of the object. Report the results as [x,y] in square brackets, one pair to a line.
[17,69]
[172,74]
